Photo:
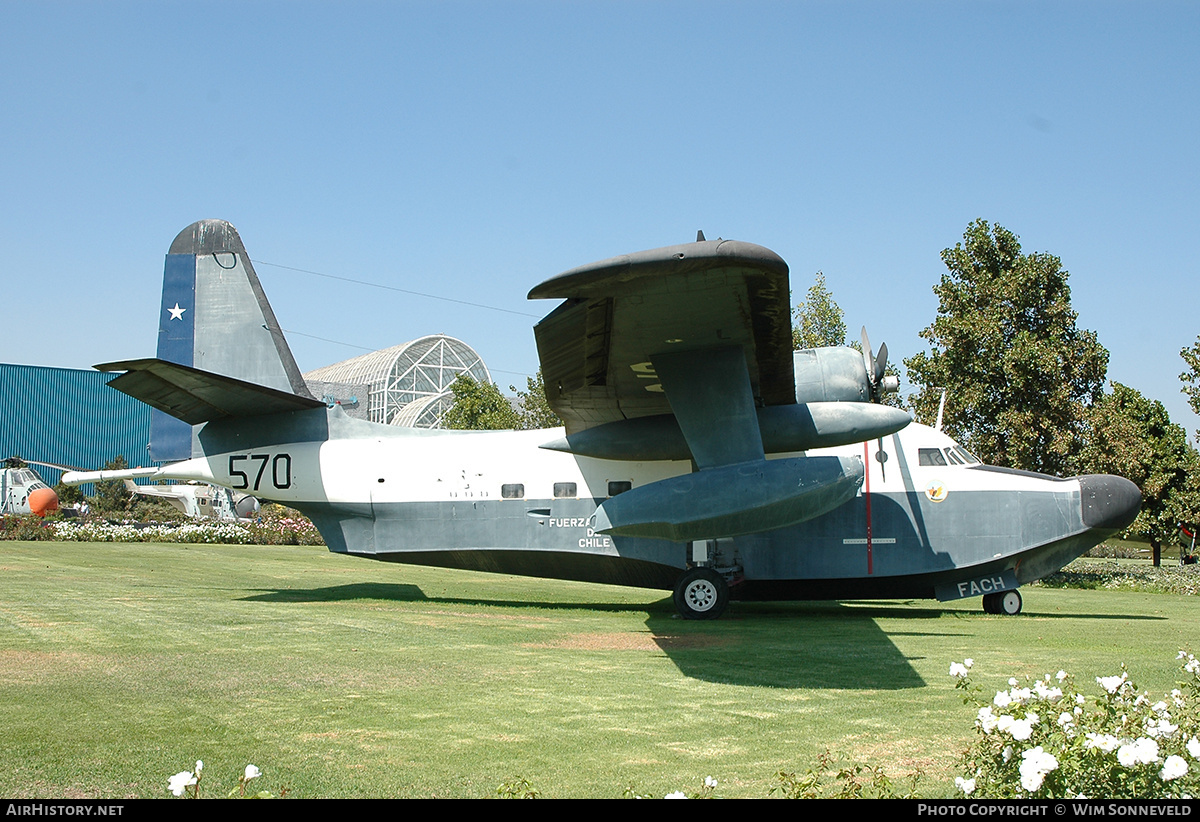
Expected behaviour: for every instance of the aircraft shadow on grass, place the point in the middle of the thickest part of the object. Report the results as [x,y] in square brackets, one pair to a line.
[818,645]
[784,645]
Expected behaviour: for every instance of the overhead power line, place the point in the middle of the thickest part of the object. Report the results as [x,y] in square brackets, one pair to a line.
[399,290]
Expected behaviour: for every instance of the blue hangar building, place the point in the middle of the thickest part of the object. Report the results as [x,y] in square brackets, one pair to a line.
[69,416]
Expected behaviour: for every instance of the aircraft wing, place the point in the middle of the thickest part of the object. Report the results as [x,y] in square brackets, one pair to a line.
[196,396]
[597,348]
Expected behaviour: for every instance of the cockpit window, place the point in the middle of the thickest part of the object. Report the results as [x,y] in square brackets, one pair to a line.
[930,456]
[966,455]
[954,457]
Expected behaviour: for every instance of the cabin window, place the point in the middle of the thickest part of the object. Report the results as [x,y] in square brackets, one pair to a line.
[512,490]
[564,490]
[618,487]
[930,456]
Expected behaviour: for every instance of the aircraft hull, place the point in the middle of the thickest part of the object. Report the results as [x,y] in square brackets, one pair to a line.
[815,560]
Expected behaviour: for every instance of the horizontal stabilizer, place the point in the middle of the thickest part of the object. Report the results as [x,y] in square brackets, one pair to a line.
[198,470]
[125,474]
[196,396]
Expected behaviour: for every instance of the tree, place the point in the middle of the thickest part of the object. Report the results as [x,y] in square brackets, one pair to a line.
[1020,375]
[68,495]
[819,320]
[111,495]
[1191,377]
[479,406]
[535,410]
[819,323]
[1133,437]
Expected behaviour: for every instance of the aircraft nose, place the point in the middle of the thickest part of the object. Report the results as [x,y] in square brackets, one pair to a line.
[1108,502]
[42,501]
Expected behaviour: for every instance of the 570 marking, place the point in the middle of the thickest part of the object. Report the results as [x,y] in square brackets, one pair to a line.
[281,470]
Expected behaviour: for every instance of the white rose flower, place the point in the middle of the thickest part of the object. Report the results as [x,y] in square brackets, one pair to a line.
[1046,692]
[676,795]
[1173,768]
[251,773]
[986,719]
[1018,729]
[180,782]
[967,786]
[1105,742]
[1035,764]
[1160,727]
[1141,751]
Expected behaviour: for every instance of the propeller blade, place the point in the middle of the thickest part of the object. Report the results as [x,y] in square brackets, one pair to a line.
[868,357]
[881,363]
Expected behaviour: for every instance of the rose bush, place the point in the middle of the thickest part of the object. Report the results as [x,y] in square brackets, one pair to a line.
[1046,739]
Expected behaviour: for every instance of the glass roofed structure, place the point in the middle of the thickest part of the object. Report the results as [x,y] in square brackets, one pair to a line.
[406,384]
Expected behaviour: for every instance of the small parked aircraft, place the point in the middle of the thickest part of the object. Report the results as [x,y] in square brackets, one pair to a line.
[200,500]
[23,492]
[700,454]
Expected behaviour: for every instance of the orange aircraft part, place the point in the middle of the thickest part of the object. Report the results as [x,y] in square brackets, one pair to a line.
[42,501]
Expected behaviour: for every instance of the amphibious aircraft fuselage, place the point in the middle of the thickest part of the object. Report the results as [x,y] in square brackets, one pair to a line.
[928,519]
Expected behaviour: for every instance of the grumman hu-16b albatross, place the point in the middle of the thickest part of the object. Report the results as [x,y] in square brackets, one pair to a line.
[700,454]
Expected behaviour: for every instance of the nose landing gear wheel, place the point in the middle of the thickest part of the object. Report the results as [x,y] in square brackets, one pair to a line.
[1004,602]
[701,593]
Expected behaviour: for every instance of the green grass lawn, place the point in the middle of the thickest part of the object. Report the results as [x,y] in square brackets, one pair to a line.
[121,664]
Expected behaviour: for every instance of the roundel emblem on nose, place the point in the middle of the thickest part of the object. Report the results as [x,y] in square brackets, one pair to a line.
[936,491]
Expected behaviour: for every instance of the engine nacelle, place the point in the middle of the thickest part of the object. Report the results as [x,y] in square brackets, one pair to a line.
[784,428]
[831,375]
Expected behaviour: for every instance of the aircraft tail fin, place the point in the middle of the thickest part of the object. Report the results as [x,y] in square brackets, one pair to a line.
[215,318]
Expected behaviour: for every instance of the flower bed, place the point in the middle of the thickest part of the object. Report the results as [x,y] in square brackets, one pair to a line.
[1047,739]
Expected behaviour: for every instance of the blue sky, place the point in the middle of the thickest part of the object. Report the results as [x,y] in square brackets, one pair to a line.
[471,150]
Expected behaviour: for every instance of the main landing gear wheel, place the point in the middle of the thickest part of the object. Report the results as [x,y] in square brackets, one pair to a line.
[701,593]
[1004,602]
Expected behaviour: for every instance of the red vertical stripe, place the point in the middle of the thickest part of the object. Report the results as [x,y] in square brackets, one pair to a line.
[867,499]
